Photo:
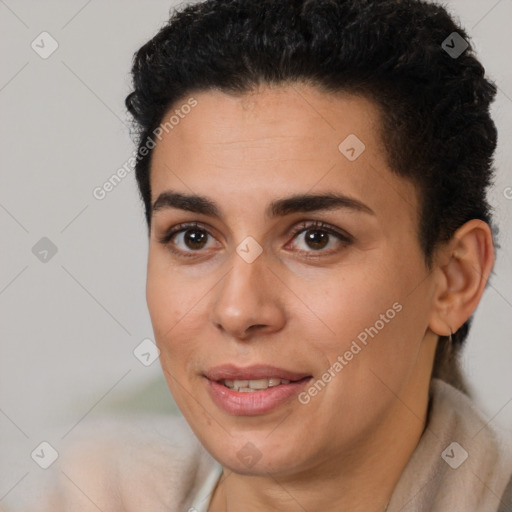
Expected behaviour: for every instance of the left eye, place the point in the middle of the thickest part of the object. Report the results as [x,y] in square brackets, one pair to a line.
[318,236]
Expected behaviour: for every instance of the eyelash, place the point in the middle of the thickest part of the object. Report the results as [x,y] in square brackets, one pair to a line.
[344,238]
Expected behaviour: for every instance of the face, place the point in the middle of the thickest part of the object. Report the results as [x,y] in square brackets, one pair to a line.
[264,279]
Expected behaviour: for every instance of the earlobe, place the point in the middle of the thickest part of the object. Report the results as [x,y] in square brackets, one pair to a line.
[465,265]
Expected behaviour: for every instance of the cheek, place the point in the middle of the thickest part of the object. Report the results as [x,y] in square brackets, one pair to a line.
[161,302]
[370,318]
[167,294]
[167,305]
[178,316]
[168,312]
[352,299]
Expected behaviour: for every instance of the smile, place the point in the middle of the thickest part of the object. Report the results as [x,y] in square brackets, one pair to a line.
[248,386]
[254,390]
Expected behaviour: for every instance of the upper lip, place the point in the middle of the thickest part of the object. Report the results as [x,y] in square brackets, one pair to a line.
[259,371]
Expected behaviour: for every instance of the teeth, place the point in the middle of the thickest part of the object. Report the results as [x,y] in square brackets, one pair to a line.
[275,382]
[259,384]
[249,386]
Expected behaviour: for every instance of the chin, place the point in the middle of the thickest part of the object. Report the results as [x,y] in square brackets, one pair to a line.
[253,455]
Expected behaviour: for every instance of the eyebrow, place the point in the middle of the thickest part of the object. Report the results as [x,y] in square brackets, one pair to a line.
[278,208]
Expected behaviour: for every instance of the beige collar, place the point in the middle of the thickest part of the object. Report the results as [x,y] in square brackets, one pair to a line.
[460,464]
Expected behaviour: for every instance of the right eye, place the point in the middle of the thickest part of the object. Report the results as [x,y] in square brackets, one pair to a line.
[192,237]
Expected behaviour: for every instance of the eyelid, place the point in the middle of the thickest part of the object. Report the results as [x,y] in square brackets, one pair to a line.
[321,226]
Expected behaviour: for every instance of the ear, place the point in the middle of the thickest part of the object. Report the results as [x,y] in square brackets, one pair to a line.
[462,269]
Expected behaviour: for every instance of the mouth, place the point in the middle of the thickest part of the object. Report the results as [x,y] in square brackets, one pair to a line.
[253,390]
[255,385]
[230,372]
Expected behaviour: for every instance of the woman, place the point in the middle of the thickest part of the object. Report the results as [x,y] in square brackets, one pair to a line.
[314,178]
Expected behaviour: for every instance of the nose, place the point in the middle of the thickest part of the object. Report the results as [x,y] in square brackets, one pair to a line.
[248,300]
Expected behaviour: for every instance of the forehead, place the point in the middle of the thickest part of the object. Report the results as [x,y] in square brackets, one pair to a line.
[277,141]
[294,118]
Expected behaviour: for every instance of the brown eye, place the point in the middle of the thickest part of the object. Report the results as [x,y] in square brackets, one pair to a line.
[318,236]
[194,238]
[187,239]
[316,239]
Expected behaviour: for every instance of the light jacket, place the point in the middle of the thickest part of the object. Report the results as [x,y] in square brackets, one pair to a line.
[155,464]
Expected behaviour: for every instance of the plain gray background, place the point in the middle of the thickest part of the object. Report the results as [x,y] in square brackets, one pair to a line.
[69,325]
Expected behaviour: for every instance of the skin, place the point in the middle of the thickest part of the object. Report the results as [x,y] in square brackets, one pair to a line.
[298,306]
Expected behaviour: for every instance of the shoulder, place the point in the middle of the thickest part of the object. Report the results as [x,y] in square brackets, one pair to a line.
[506,498]
[151,462]
[485,449]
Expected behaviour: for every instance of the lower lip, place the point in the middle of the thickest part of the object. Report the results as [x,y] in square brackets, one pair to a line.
[240,403]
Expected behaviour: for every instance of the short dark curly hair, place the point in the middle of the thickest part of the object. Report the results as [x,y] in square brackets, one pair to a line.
[435,121]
